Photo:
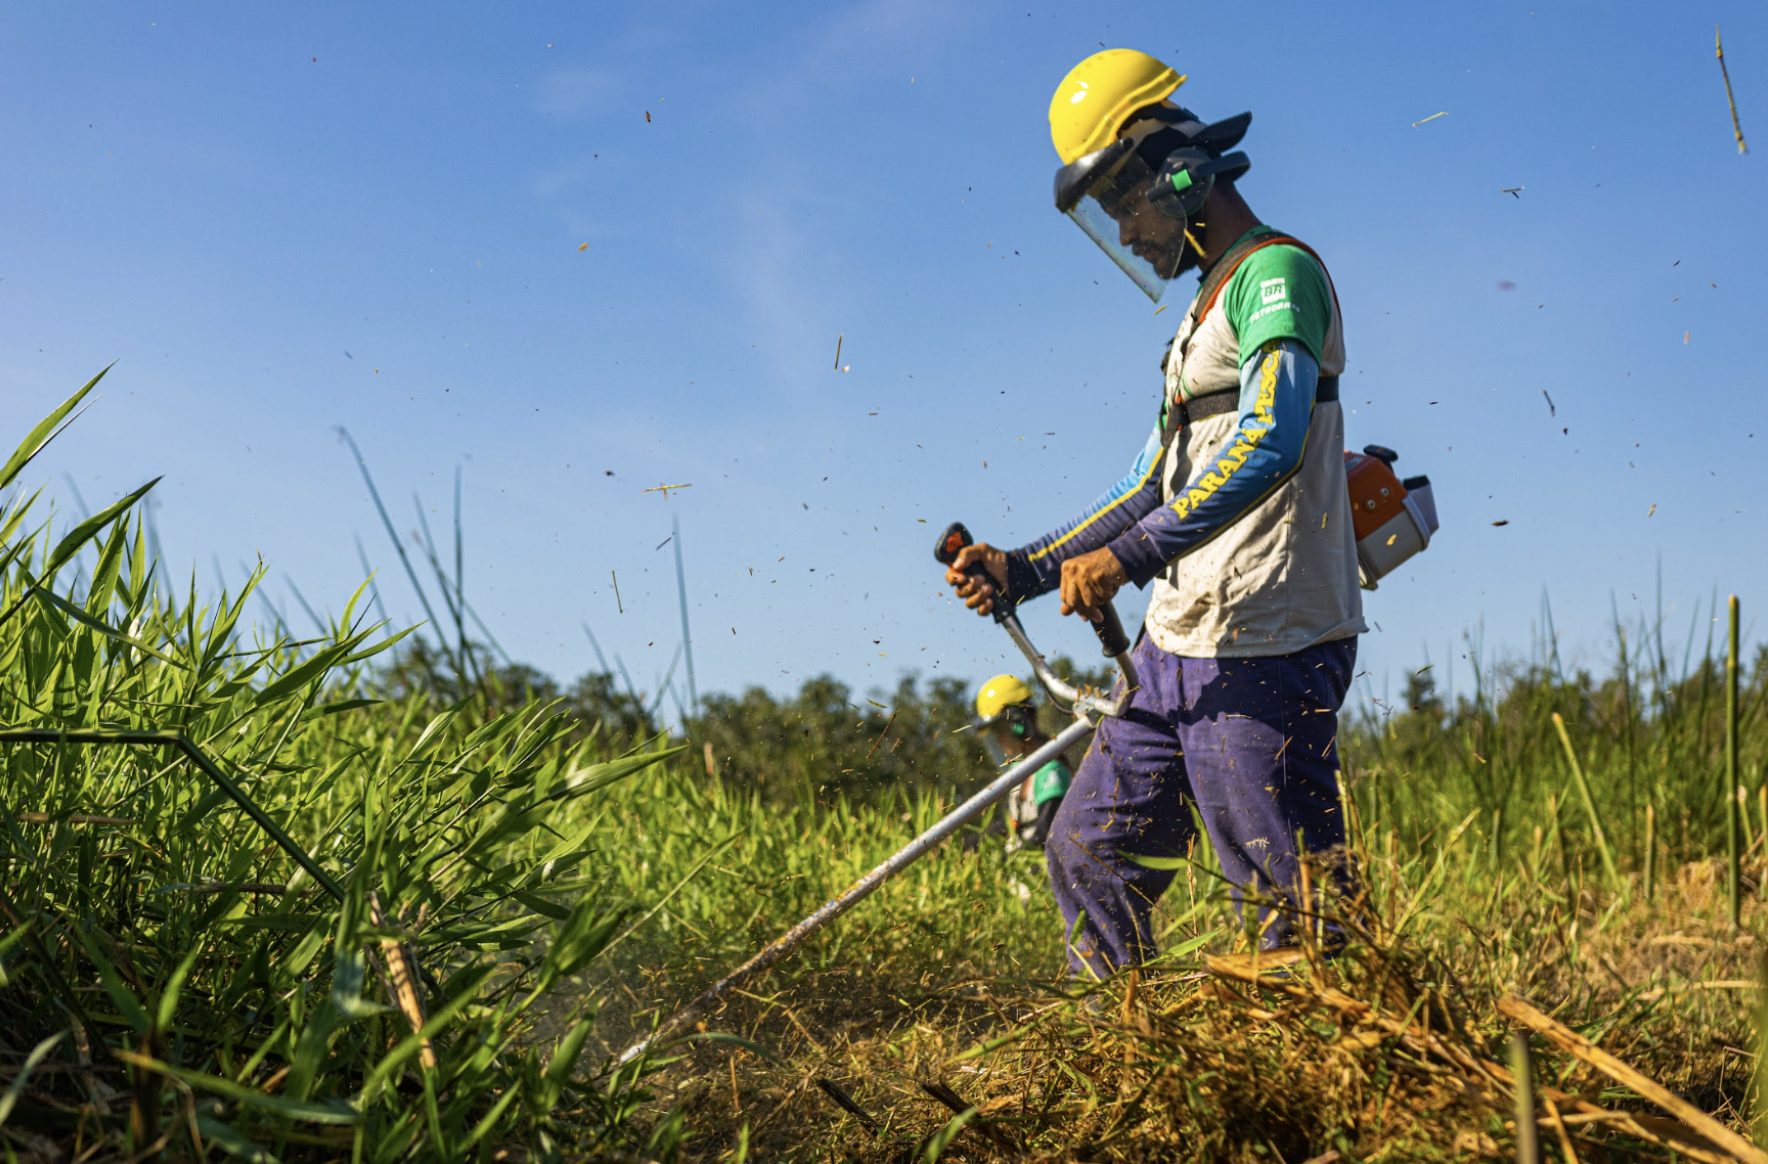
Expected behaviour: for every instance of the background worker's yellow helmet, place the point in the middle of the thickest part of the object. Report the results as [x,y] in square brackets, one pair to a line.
[1094,101]
[999,694]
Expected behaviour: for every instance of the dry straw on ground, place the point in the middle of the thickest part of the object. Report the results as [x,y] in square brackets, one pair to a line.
[1639,1017]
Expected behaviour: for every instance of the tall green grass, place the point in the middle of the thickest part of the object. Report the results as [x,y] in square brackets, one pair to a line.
[313,924]
[1619,771]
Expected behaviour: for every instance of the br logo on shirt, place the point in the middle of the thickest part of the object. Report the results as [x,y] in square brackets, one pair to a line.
[1273,290]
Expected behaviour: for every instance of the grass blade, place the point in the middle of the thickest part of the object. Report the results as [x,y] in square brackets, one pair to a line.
[47,430]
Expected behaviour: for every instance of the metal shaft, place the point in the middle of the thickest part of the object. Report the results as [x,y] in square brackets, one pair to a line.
[835,907]
[1066,695]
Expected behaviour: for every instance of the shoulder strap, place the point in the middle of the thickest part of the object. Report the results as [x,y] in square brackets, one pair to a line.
[1217,278]
[1174,418]
[1219,275]
[1304,247]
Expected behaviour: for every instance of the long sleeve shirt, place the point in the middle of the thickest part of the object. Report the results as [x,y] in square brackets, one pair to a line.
[1276,398]
[1241,525]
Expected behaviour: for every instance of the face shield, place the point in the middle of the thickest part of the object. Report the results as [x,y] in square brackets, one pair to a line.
[1109,192]
[1005,734]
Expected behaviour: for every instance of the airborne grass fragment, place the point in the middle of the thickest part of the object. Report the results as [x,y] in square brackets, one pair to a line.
[1725,75]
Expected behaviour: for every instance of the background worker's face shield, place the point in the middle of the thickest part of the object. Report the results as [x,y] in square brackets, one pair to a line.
[1005,746]
[1107,197]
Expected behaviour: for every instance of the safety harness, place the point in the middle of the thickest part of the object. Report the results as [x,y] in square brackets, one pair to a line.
[1392,519]
[1184,412]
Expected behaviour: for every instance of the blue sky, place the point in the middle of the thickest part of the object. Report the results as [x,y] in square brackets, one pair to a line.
[279,220]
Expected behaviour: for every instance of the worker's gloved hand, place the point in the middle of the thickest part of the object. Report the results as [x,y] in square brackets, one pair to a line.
[1090,581]
[977,594]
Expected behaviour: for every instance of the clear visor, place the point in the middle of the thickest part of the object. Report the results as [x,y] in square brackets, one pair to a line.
[997,736]
[1145,242]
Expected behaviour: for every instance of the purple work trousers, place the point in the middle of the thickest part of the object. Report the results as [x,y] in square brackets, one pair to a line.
[1250,744]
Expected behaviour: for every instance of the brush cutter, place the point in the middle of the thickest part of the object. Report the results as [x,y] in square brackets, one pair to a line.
[1087,708]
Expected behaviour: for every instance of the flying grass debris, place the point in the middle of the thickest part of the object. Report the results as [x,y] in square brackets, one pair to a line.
[887,725]
[618,605]
[834,1091]
[838,338]
[664,489]
[1513,191]
[1432,117]
[1725,75]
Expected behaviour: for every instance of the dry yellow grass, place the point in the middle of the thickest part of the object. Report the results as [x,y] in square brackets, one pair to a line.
[1393,1051]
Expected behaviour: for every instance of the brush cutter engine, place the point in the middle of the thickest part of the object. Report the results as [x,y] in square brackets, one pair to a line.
[1392,519]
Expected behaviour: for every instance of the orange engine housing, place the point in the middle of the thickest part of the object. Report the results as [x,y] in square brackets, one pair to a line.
[1377,497]
[1392,519]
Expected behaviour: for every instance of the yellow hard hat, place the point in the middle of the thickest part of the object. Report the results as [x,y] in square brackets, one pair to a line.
[1095,100]
[1000,693]
[1137,166]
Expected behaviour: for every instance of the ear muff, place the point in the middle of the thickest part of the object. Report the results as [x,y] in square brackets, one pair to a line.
[1184,180]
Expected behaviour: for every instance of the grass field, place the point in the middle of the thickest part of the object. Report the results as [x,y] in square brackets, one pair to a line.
[1397,1050]
[267,897]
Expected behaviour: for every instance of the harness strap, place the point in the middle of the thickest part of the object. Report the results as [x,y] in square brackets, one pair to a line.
[1223,270]
[1189,412]
[1185,412]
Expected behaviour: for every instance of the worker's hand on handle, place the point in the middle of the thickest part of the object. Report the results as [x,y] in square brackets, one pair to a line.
[1090,581]
[977,593]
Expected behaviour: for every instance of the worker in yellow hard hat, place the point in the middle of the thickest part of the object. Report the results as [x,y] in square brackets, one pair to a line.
[1235,514]
[1137,168]
[1004,709]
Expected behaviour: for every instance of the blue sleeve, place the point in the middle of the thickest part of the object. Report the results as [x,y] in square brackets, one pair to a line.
[1037,568]
[1276,403]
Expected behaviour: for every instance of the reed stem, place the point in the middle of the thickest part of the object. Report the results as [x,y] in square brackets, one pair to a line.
[1733,807]
[1583,787]
[1528,1148]
[1650,851]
